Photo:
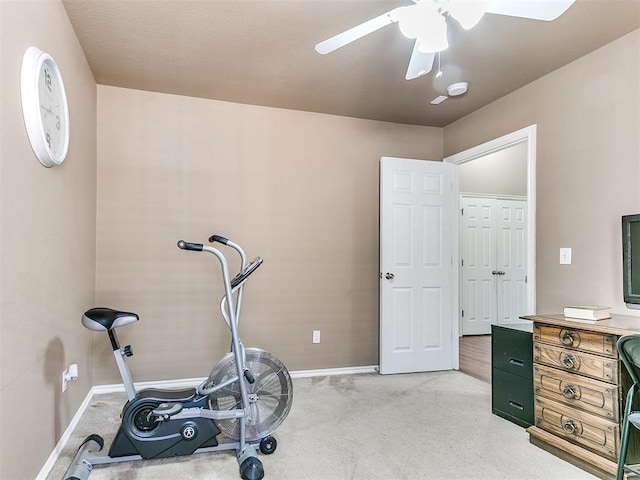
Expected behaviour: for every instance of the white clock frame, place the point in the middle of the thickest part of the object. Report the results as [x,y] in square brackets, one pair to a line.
[46,117]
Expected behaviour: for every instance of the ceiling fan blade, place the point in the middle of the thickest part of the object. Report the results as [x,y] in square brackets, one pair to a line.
[355,33]
[536,9]
[420,63]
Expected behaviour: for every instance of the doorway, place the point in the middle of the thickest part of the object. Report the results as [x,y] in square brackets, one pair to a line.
[493,249]
[526,140]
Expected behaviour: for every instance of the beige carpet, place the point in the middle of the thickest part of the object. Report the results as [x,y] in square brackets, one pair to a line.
[420,426]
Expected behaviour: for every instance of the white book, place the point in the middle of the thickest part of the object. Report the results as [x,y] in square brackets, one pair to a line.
[587,312]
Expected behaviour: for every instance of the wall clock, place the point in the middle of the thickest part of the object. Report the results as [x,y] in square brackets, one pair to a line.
[44,107]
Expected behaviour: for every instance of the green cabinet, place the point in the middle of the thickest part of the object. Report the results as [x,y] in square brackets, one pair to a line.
[512,373]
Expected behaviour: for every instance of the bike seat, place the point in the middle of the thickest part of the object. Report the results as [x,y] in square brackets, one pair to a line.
[102,319]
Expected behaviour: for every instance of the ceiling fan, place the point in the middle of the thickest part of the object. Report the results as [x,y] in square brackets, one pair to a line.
[425,21]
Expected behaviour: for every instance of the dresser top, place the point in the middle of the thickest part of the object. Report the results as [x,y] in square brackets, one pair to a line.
[616,325]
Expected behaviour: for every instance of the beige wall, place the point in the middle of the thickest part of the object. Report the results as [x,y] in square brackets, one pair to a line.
[588,168]
[47,245]
[299,189]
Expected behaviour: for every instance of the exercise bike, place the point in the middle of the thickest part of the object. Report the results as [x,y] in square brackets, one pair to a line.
[247,395]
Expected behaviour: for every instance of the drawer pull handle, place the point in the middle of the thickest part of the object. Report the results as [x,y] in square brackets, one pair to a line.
[516,405]
[569,392]
[516,362]
[568,361]
[567,339]
[569,426]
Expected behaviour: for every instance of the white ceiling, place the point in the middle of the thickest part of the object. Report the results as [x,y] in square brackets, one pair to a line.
[261,52]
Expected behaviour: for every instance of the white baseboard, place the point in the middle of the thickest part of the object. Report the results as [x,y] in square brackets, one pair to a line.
[180,383]
[44,472]
[194,382]
[119,387]
[335,371]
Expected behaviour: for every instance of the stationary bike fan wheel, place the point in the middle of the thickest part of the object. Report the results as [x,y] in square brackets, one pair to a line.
[270,395]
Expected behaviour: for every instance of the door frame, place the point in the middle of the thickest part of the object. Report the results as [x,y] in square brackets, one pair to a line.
[528,135]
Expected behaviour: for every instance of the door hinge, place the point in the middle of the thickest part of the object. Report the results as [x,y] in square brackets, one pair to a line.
[462,313]
[526,279]
[462,212]
[462,262]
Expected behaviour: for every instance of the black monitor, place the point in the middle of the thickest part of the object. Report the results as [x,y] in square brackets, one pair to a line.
[631,260]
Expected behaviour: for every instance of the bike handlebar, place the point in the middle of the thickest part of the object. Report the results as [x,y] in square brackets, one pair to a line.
[218,238]
[197,247]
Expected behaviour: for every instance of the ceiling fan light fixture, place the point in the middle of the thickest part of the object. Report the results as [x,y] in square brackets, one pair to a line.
[468,12]
[433,37]
[423,22]
[410,20]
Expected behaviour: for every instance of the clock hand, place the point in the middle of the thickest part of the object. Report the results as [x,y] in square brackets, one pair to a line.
[48,110]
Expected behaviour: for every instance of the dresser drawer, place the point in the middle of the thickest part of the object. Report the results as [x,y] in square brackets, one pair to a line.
[595,433]
[600,368]
[590,342]
[512,351]
[576,391]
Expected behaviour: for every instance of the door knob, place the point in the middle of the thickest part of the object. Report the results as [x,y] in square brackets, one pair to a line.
[389,276]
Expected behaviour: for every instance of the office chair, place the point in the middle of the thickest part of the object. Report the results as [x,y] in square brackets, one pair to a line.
[629,351]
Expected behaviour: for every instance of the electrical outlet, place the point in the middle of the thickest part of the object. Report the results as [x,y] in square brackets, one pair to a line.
[70,373]
[316,336]
[565,256]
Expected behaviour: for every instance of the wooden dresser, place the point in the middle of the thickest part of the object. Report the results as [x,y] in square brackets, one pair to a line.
[580,387]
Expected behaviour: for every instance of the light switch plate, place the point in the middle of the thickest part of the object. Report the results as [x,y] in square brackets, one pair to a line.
[565,256]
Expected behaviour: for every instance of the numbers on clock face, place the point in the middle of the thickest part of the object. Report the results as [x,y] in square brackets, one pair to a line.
[47,78]
[51,108]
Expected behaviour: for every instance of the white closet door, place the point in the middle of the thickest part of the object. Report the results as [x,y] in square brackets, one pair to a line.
[493,269]
[478,233]
[511,258]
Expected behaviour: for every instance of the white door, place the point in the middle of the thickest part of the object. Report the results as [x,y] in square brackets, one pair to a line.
[478,260]
[493,263]
[511,263]
[416,266]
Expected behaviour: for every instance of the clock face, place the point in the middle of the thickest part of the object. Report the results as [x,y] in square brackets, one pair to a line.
[44,107]
[52,111]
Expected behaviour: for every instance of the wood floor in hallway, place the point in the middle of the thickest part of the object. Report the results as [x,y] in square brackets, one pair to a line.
[475,356]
